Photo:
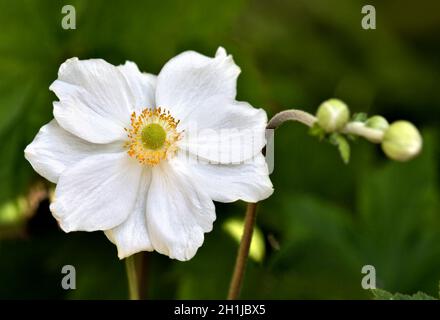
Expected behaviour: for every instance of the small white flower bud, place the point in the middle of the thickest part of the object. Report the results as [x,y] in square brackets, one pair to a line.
[378,123]
[332,115]
[402,141]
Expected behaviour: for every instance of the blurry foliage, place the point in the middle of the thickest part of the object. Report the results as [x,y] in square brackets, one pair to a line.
[385,295]
[324,221]
[235,227]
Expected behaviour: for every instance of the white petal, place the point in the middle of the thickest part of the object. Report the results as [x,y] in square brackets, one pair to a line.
[228,183]
[225,131]
[131,236]
[142,85]
[179,212]
[95,100]
[98,193]
[189,79]
[54,149]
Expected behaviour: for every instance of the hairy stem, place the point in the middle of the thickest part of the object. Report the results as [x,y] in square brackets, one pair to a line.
[243,252]
[291,115]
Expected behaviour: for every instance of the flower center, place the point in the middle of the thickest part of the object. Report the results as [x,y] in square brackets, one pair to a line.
[152,136]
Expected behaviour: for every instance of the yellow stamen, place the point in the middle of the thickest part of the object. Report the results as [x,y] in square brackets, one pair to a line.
[152,136]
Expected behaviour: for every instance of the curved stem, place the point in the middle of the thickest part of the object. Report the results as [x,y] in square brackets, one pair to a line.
[132,277]
[355,128]
[291,115]
[251,211]
[243,252]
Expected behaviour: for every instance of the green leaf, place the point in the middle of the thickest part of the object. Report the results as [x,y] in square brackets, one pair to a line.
[360,116]
[317,131]
[380,294]
[343,146]
[311,232]
[388,200]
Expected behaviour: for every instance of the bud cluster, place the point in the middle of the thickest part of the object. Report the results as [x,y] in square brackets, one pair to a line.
[400,140]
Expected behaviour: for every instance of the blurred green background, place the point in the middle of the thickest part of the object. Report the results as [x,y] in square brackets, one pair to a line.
[324,221]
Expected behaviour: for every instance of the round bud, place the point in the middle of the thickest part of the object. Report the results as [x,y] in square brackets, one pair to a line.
[402,141]
[332,115]
[378,123]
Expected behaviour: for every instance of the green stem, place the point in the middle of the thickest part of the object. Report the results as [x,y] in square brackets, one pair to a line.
[132,277]
[143,274]
[359,129]
[243,252]
[355,127]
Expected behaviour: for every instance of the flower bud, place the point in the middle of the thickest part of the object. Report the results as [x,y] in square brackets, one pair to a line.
[332,115]
[402,141]
[378,123]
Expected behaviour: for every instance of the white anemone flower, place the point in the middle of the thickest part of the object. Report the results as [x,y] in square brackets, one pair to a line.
[142,157]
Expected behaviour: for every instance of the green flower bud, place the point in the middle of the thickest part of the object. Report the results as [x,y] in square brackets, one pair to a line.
[332,115]
[402,141]
[378,123]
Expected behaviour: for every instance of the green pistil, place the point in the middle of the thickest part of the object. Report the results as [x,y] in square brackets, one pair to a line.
[153,136]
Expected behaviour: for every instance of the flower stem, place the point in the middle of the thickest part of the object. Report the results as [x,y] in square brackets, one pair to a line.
[359,129]
[355,128]
[243,252]
[132,277]
[291,115]
[143,274]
